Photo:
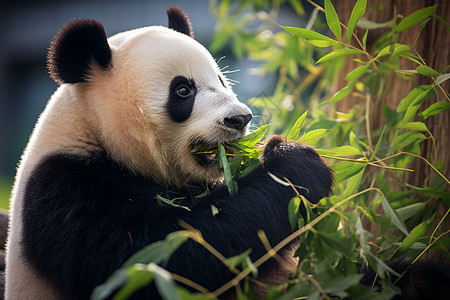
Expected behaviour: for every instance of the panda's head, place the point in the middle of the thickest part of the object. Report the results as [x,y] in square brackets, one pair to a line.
[149,95]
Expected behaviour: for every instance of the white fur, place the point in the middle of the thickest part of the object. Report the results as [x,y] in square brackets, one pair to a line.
[122,109]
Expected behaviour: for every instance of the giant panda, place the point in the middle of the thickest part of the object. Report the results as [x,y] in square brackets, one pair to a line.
[117,132]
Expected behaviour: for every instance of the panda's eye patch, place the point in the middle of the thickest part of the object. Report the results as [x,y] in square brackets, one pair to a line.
[180,103]
[184,90]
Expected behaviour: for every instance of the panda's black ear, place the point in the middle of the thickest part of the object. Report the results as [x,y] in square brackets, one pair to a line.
[75,48]
[179,21]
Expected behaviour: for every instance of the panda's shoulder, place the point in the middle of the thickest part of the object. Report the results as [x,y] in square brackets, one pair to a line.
[70,166]
[95,173]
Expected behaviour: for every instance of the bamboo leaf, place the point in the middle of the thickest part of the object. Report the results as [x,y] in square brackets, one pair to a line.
[134,273]
[394,217]
[364,40]
[358,11]
[340,151]
[115,281]
[158,251]
[370,25]
[407,139]
[332,19]
[311,36]
[250,140]
[170,202]
[423,24]
[411,57]
[276,179]
[164,283]
[406,102]
[434,193]
[416,126]
[441,78]
[214,210]
[295,130]
[251,165]
[320,43]
[293,210]
[239,259]
[353,183]
[358,72]
[313,136]
[418,232]
[443,21]
[394,49]
[426,71]
[340,94]
[338,53]
[308,210]
[354,140]
[415,18]
[414,106]
[435,108]
[334,242]
[409,211]
[138,277]
[377,146]
[347,169]
[399,49]
[381,269]
[232,189]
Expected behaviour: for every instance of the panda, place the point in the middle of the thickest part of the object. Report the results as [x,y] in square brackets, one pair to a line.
[118,131]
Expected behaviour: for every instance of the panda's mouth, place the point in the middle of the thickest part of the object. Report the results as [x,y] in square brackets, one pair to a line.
[206,153]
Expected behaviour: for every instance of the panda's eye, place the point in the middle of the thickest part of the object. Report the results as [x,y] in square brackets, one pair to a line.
[183,91]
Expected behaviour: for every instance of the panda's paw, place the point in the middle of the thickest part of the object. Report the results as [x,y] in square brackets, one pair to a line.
[271,143]
[299,163]
[279,149]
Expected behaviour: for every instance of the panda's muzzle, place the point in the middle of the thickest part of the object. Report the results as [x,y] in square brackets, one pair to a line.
[206,153]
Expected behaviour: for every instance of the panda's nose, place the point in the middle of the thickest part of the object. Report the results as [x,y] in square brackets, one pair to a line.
[237,122]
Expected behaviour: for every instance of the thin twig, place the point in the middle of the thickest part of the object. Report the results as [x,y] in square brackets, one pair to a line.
[436,170]
[197,236]
[439,224]
[369,137]
[366,162]
[190,283]
[317,285]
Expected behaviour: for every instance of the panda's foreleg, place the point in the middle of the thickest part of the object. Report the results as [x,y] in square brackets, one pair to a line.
[260,204]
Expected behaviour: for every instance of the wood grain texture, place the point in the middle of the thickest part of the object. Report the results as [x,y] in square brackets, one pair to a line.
[433,45]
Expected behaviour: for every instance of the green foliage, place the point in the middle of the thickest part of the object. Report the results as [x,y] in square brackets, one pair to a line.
[140,269]
[332,19]
[358,11]
[415,18]
[369,163]
[244,155]
[5,191]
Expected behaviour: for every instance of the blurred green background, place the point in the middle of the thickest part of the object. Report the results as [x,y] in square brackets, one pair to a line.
[5,190]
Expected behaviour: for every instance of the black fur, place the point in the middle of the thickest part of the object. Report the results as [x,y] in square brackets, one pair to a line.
[180,108]
[179,21]
[75,47]
[83,217]
[425,279]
